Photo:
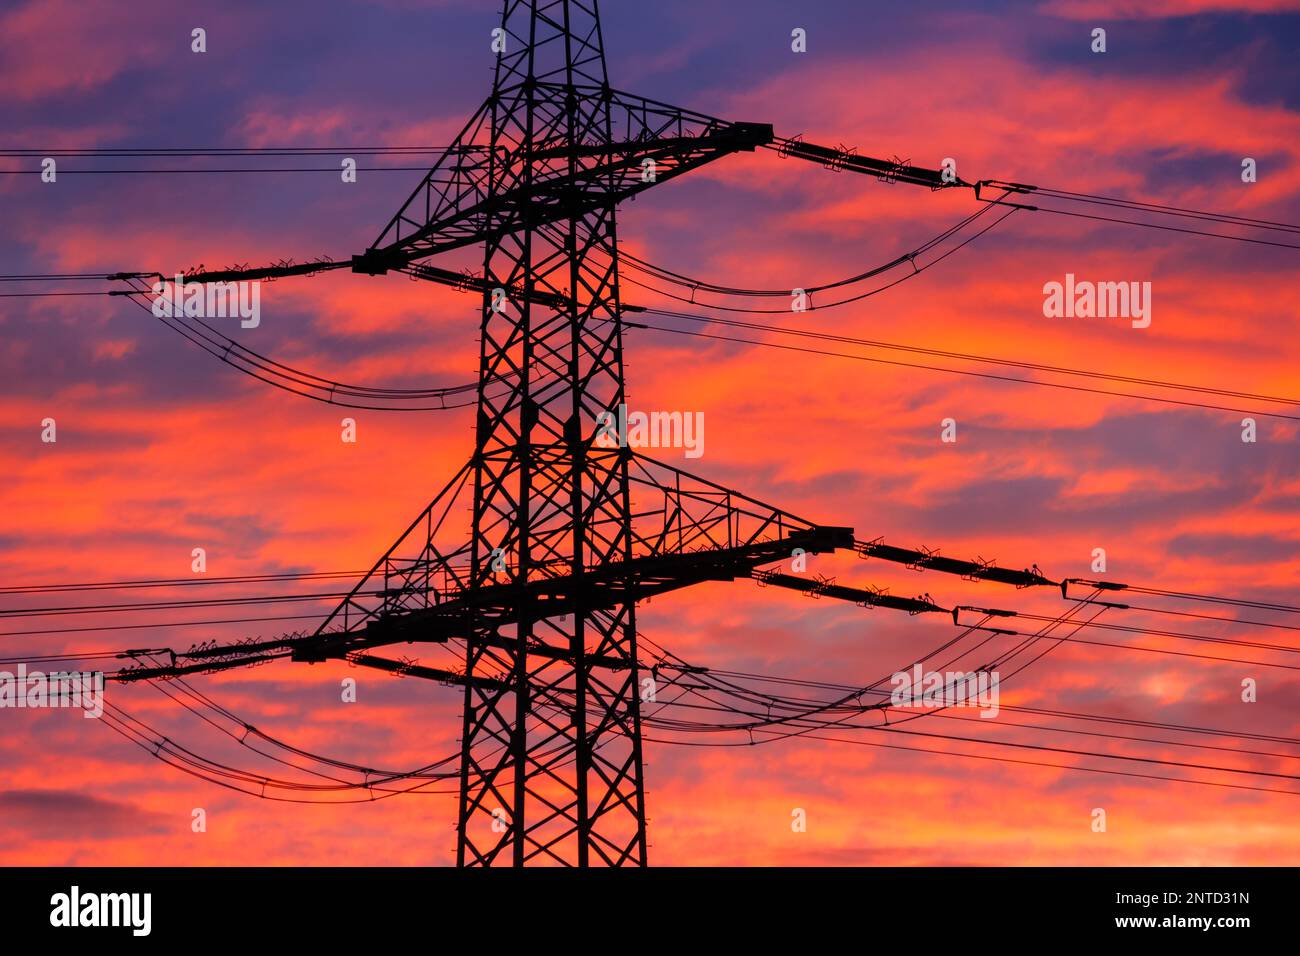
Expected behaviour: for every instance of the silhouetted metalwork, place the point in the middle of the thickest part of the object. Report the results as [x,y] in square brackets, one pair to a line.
[567,535]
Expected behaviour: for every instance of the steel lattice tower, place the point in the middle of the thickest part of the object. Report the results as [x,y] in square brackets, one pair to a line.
[544,497]
[551,744]
[568,532]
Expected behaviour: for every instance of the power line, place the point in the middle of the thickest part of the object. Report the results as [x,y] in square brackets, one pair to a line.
[1017,708]
[167,605]
[967,372]
[216,170]
[907,259]
[1166,228]
[805,729]
[164,624]
[178,582]
[1168,210]
[308,385]
[185,151]
[968,357]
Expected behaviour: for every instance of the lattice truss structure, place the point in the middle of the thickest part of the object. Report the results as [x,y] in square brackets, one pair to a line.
[567,535]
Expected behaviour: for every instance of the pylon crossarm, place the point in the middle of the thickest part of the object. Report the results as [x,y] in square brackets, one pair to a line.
[886,170]
[144,672]
[454,180]
[398,584]
[554,596]
[209,657]
[473,197]
[677,512]
[467,282]
[932,560]
[864,597]
[279,270]
[402,668]
[605,586]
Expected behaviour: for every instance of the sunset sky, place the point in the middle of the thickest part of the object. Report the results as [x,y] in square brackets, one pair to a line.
[162,448]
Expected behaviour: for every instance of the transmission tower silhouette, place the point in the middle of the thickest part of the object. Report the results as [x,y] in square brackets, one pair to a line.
[569,531]
[559,556]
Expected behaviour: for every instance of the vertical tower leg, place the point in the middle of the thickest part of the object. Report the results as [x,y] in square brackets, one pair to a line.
[551,750]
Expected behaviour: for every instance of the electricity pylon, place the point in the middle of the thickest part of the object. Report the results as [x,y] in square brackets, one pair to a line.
[559,555]
[567,535]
